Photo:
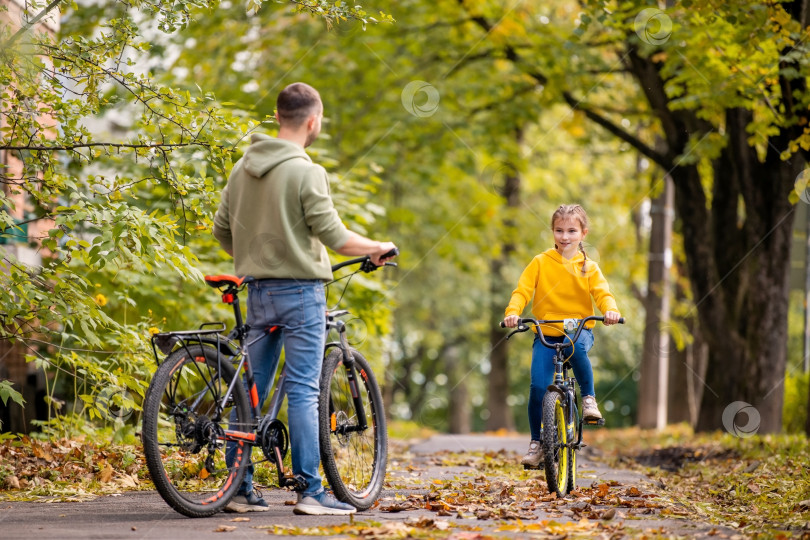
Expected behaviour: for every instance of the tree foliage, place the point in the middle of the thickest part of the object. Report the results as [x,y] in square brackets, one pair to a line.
[425,118]
[120,168]
[411,110]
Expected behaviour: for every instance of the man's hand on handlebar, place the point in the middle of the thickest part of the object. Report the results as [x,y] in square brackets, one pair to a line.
[511,321]
[611,317]
[386,252]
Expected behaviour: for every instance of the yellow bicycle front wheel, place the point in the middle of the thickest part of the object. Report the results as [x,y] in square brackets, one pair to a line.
[555,444]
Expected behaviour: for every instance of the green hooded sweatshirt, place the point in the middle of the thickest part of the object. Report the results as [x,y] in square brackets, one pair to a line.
[276,213]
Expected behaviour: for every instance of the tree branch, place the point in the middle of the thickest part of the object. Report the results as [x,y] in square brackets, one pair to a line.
[576,104]
[612,128]
[110,145]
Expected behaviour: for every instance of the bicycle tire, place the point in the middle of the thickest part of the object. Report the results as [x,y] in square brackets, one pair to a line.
[182,431]
[354,462]
[572,455]
[555,454]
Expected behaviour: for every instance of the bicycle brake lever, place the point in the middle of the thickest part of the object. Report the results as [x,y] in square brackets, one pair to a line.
[520,328]
[368,266]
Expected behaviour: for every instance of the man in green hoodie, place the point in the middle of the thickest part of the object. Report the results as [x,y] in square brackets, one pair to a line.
[276,219]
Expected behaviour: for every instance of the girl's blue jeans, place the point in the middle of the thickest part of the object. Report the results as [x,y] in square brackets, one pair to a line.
[543,374]
[298,308]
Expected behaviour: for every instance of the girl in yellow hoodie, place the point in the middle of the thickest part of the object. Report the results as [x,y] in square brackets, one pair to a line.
[561,283]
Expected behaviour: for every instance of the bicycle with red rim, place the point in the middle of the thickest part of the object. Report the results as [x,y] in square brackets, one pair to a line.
[203,397]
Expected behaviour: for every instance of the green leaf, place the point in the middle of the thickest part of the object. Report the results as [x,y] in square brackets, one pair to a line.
[6,392]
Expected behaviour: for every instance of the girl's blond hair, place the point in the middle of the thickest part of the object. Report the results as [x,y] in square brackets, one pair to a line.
[575,211]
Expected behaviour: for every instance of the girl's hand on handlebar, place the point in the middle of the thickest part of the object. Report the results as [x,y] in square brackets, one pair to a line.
[511,321]
[612,317]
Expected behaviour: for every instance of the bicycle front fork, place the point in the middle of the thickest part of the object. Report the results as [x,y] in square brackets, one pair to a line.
[351,377]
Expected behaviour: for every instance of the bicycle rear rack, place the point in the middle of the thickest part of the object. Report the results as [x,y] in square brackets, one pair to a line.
[168,342]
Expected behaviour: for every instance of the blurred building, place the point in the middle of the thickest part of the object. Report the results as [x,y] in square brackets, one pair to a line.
[21,244]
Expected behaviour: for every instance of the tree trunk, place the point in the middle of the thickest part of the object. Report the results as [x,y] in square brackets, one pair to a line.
[500,413]
[687,371]
[807,420]
[737,266]
[652,402]
[737,243]
[459,400]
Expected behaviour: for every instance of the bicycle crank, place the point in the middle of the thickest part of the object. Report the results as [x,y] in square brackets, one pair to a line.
[275,441]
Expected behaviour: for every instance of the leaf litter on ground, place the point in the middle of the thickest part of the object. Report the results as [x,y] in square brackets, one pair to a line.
[759,486]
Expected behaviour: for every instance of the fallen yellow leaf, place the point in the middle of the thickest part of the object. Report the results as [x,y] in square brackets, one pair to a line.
[105,475]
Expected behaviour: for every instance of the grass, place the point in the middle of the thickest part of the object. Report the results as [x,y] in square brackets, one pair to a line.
[759,485]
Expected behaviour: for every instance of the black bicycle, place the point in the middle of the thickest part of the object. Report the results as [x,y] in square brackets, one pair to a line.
[203,397]
[562,420]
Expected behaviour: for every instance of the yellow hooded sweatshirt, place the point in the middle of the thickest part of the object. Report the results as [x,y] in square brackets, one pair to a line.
[561,290]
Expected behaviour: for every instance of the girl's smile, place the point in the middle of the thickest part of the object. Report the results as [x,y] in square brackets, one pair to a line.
[568,233]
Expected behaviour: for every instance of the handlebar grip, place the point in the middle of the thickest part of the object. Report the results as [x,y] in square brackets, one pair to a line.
[621,320]
[503,324]
[393,253]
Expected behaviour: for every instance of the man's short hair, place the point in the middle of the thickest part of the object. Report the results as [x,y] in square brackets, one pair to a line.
[297,102]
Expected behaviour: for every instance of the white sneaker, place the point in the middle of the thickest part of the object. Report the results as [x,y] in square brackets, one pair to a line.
[589,409]
[250,502]
[323,504]
[534,456]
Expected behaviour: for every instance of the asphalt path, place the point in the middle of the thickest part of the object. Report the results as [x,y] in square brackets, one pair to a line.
[144,515]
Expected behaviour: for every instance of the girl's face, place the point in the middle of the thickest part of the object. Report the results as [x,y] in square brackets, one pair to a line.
[568,233]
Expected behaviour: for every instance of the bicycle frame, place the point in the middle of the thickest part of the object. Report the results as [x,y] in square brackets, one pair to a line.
[231,350]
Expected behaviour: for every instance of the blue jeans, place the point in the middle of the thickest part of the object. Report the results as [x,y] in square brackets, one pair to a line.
[543,373]
[298,309]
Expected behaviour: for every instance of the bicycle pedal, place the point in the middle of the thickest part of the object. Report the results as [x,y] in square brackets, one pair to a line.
[594,421]
[294,483]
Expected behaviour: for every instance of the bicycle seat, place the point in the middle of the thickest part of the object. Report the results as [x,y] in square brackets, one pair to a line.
[223,280]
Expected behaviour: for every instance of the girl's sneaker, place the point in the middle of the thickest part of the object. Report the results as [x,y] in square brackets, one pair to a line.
[589,409]
[534,456]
